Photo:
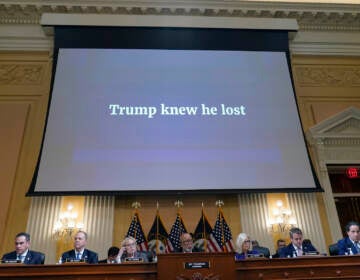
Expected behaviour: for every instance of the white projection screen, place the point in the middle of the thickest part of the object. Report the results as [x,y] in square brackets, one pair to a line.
[172,110]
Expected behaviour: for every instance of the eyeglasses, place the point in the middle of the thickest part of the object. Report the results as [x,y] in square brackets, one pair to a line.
[247,241]
[187,241]
[130,244]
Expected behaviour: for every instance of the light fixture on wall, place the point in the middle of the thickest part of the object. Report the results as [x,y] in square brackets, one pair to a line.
[282,219]
[67,224]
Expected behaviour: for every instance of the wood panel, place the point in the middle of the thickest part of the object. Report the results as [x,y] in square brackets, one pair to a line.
[325,86]
[304,268]
[217,266]
[79,272]
[12,124]
[24,85]
[172,267]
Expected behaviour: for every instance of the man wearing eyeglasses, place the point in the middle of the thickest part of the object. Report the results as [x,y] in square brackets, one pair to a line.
[129,252]
[22,253]
[187,244]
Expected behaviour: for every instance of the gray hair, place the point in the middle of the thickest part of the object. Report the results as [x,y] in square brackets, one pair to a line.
[128,238]
[240,241]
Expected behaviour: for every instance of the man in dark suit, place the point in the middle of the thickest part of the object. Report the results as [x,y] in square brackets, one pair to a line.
[22,253]
[280,244]
[350,245]
[129,253]
[262,250]
[80,253]
[296,248]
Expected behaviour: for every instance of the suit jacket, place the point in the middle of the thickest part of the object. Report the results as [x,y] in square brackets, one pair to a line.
[194,250]
[32,257]
[289,250]
[88,256]
[263,250]
[138,254]
[345,245]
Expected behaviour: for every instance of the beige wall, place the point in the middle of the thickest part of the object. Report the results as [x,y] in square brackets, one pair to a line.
[324,86]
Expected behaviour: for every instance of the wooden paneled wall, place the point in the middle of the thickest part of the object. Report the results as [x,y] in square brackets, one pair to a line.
[24,92]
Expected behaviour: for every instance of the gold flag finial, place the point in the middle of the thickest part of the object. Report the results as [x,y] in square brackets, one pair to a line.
[179,204]
[157,205]
[219,203]
[136,205]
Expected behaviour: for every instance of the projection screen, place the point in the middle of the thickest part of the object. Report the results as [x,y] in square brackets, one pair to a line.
[183,114]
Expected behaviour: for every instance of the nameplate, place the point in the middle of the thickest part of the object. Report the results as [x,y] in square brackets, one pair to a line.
[311,253]
[194,265]
[255,255]
[15,261]
[134,259]
[70,260]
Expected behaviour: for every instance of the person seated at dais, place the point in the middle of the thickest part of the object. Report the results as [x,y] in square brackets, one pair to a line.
[296,248]
[129,252]
[261,249]
[244,247]
[187,244]
[280,244]
[350,245]
[112,255]
[80,253]
[22,253]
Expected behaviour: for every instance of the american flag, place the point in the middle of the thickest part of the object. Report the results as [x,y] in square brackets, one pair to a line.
[157,236]
[221,239]
[136,231]
[178,228]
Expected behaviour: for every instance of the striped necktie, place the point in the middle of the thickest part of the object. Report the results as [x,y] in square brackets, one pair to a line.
[357,245]
[299,251]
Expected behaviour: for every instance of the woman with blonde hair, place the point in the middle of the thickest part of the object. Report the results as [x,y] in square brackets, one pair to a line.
[243,247]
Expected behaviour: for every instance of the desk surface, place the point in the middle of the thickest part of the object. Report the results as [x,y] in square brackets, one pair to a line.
[336,267]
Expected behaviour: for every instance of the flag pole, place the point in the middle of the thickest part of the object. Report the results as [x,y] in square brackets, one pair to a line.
[157,229]
[220,203]
[136,205]
[203,222]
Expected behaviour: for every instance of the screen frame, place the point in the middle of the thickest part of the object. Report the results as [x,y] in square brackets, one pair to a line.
[173,38]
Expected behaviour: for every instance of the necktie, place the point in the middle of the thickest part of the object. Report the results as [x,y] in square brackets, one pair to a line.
[20,258]
[299,251]
[78,256]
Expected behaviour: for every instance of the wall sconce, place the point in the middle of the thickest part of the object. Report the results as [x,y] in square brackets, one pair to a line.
[282,219]
[67,224]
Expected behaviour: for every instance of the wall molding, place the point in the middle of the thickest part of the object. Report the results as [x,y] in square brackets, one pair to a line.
[335,140]
[310,16]
[324,29]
